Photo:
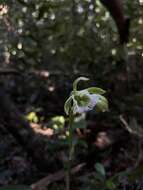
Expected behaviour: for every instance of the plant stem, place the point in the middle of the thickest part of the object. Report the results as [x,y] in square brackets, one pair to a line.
[71,119]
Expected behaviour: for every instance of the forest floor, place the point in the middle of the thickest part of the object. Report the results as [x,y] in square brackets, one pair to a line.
[113,147]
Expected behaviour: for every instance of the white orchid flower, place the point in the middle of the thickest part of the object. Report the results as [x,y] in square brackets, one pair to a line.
[85,100]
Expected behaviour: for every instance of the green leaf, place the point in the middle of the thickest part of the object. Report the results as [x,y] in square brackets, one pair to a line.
[110,185]
[80,124]
[68,105]
[99,178]
[95,90]
[100,169]
[135,174]
[16,187]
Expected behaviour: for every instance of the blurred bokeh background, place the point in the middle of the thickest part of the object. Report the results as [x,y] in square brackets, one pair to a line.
[46,44]
[50,43]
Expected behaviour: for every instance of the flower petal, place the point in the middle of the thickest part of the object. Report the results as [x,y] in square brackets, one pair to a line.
[93,100]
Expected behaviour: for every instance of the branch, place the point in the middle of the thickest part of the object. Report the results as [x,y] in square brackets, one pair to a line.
[129,129]
[9,72]
[43,183]
[41,73]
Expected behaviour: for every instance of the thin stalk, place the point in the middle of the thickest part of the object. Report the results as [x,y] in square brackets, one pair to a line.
[71,152]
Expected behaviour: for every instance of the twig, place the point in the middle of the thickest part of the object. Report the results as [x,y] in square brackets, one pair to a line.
[43,183]
[128,128]
[40,73]
[140,141]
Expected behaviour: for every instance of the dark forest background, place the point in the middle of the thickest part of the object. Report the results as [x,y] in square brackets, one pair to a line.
[44,46]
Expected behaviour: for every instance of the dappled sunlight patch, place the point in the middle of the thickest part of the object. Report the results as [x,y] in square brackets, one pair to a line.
[3,10]
[51,88]
[141,2]
[40,130]
[47,132]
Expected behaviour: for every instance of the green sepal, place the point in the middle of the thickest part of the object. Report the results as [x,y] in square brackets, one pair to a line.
[77,81]
[95,90]
[68,105]
[102,104]
[82,100]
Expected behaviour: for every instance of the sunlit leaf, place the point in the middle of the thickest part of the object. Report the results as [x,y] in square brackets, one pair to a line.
[32,117]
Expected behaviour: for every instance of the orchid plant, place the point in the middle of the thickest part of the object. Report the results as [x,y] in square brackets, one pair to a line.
[81,101]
